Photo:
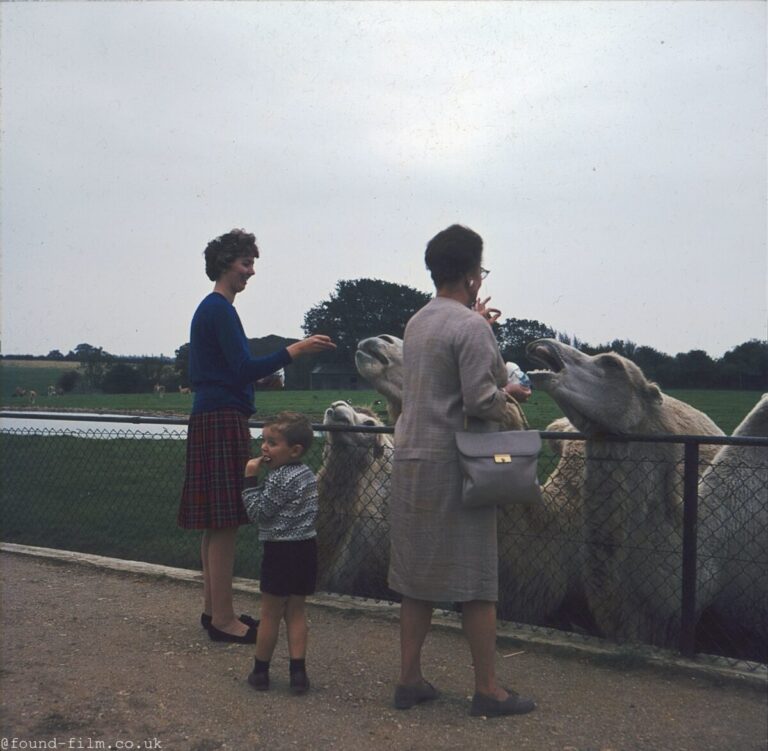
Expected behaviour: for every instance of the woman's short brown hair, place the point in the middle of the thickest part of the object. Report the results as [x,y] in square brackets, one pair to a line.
[222,250]
[452,253]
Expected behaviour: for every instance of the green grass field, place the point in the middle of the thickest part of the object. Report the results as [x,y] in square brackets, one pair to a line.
[110,497]
[726,408]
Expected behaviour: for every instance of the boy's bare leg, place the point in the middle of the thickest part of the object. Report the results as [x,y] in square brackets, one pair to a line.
[297,627]
[272,610]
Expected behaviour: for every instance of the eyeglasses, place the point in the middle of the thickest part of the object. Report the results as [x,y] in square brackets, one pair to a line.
[484,272]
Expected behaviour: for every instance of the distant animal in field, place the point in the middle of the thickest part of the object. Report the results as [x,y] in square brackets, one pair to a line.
[32,396]
[19,392]
[185,390]
[159,390]
[52,391]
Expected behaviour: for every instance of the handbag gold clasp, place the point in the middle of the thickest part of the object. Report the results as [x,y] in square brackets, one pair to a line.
[502,458]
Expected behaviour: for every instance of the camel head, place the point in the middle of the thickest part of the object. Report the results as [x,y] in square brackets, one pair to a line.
[604,393]
[379,359]
[756,422]
[343,413]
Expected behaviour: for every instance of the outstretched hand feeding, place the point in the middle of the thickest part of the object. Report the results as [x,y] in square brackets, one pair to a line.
[311,345]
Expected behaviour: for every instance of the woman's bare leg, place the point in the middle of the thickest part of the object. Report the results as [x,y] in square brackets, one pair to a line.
[218,565]
[415,620]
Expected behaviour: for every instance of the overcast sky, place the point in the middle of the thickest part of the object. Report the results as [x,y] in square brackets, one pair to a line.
[611,154]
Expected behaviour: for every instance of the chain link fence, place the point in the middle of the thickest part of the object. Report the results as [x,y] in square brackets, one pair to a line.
[659,540]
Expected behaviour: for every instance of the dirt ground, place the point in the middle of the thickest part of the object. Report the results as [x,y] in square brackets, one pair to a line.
[94,658]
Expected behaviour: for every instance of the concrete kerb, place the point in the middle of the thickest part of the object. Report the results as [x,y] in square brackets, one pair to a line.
[510,634]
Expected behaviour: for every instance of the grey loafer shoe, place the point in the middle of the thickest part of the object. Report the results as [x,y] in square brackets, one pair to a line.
[487,706]
[409,696]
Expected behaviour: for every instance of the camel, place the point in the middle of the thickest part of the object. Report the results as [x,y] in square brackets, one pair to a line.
[733,498]
[353,485]
[539,546]
[185,390]
[159,390]
[632,494]
[379,359]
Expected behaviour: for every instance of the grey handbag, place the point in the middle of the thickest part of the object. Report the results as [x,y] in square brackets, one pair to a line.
[499,468]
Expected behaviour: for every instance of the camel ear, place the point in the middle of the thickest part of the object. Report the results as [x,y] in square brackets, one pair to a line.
[654,393]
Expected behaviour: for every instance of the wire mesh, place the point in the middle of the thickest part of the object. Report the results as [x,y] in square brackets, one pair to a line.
[601,556]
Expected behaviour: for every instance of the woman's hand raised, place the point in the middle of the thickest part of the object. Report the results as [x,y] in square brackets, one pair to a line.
[490,314]
[311,345]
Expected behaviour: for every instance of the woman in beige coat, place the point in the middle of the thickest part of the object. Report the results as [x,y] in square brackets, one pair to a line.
[454,376]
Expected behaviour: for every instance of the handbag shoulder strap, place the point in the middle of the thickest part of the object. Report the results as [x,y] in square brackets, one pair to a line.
[514,419]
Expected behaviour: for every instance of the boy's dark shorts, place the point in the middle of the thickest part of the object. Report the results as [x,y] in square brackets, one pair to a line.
[289,567]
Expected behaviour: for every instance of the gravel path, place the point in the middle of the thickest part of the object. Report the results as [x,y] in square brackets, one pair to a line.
[93,656]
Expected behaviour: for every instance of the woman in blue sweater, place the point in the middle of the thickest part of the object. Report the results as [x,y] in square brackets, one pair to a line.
[222,372]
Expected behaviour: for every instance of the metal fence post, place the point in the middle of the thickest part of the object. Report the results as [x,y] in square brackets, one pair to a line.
[690,522]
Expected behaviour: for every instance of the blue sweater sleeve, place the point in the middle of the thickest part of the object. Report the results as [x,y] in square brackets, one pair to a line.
[234,346]
[219,353]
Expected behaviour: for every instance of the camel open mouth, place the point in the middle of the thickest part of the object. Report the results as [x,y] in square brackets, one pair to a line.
[545,355]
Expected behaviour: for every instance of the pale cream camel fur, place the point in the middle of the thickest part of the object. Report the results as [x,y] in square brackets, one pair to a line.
[632,491]
[379,359]
[733,498]
[354,487]
[539,546]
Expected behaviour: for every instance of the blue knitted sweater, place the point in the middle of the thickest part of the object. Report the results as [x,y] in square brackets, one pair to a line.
[221,368]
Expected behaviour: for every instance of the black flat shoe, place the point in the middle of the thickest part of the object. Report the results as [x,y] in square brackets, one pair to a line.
[488,706]
[248,638]
[205,620]
[409,696]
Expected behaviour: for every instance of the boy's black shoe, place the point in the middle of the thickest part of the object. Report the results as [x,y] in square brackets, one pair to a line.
[259,681]
[299,682]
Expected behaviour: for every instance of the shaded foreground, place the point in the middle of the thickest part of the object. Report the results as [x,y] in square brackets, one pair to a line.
[96,655]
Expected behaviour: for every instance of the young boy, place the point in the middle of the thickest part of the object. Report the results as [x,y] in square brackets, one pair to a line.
[284,504]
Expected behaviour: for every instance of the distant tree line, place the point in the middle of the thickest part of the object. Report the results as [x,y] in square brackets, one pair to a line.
[359,308]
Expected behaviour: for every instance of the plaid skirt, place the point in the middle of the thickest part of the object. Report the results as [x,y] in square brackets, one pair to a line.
[218,447]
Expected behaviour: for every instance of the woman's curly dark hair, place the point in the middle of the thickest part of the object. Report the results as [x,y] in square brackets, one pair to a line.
[452,253]
[221,251]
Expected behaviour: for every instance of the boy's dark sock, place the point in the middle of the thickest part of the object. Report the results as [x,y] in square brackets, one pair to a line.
[297,666]
[259,666]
